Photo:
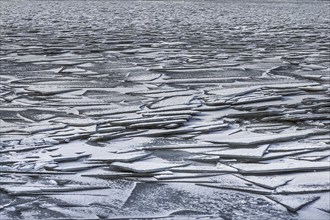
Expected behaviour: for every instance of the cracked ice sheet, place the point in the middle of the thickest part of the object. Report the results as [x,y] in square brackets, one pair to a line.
[249,138]
[219,168]
[172,101]
[241,153]
[297,145]
[191,60]
[233,91]
[119,191]
[165,199]
[268,182]
[308,182]
[124,157]
[287,165]
[294,202]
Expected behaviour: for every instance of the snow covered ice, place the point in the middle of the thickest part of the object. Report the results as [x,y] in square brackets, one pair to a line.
[165,109]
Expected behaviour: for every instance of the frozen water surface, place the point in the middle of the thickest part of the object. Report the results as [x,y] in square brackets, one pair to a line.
[165,109]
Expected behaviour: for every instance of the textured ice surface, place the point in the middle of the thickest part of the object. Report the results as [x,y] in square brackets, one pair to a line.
[295,202]
[103,102]
[251,153]
[283,166]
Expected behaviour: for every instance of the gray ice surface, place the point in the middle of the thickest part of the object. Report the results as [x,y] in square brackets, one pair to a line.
[164,109]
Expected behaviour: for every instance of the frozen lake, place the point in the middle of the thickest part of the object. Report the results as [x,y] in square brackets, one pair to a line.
[165,109]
